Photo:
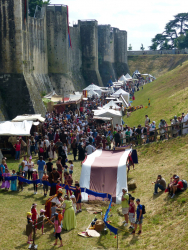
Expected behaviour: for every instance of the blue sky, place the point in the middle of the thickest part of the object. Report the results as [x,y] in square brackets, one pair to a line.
[142,19]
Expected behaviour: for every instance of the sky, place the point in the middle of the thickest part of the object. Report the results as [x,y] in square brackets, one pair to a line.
[142,19]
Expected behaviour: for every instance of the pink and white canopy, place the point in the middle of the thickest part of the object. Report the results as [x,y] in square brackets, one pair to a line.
[105,172]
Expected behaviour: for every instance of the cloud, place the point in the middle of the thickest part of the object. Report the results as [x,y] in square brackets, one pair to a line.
[141,19]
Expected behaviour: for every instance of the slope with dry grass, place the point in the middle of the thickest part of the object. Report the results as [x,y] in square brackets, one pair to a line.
[156,65]
[168,95]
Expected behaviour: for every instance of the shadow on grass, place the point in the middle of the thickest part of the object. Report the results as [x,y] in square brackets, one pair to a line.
[157,195]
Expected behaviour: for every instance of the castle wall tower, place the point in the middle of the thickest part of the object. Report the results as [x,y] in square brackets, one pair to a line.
[106,53]
[89,45]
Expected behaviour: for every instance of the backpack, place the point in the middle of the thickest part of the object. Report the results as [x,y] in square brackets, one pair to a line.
[184,184]
[41,150]
[149,121]
[129,197]
[143,209]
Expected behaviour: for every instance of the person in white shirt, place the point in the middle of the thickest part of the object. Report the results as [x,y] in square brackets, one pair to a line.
[90,149]
[47,141]
[26,166]
[65,148]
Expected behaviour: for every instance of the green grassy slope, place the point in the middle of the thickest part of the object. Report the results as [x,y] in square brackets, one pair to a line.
[168,95]
[156,65]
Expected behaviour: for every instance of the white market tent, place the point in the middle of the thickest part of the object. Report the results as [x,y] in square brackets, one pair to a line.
[95,88]
[123,78]
[49,95]
[111,104]
[15,128]
[105,172]
[34,117]
[128,76]
[120,92]
[92,93]
[124,103]
[114,114]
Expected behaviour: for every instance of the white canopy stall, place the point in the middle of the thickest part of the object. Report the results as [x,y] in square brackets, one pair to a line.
[120,92]
[114,114]
[94,88]
[34,117]
[15,128]
[92,93]
[111,104]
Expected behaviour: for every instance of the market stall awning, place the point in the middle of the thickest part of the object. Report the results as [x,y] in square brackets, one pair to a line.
[26,117]
[16,128]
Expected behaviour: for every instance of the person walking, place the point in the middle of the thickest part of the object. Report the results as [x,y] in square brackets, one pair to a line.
[139,217]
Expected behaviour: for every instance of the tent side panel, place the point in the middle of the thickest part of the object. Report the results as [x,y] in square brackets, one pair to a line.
[121,175]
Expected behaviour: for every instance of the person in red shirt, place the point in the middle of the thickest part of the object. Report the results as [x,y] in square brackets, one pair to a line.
[17,147]
[58,186]
[104,141]
[177,187]
[98,140]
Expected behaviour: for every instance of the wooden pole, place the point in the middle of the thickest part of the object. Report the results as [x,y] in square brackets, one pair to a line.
[117,239]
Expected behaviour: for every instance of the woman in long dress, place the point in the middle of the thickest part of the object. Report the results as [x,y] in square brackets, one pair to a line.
[57,199]
[69,220]
[14,182]
[6,183]
[51,150]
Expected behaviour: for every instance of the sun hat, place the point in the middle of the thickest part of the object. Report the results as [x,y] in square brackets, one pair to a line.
[138,200]
[30,157]
[42,211]
[29,213]
[124,189]
[176,177]
[72,197]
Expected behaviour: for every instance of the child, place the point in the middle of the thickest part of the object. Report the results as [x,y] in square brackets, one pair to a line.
[34,214]
[6,184]
[45,187]
[53,209]
[65,148]
[58,185]
[42,211]
[20,183]
[57,225]
[14,183]
[29,220]
[21,167]
[132,210]
[78,198]
[68,181]
[72,197]
[60,216]
[35,177]
[71,168]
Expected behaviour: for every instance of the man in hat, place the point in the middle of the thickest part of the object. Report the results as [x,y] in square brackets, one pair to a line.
[139,217]
[125,205]
[53,178]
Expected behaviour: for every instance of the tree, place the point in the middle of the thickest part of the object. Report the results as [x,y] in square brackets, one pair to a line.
[142,47]
[173,34]
[130,47]
[34,3]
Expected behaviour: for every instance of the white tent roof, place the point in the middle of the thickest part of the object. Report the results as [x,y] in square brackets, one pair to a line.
[111,104]
[120,92]
[128,76]
[49,95]
[104,162]
[34,117]
[75,97]
[92,93]
[107,112]
[92,87]
[16,128]
[123,78]
[124,103]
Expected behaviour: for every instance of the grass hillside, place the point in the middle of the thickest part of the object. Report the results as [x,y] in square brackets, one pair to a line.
[168,95]
[156,65]
[165,222]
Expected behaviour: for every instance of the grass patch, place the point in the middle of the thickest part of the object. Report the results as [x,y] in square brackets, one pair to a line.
[168,95]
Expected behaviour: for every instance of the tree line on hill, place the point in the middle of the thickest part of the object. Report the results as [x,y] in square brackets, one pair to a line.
[175,34]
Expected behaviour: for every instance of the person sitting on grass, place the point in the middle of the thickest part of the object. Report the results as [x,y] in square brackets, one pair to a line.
[139,217]
[176,188]
[159,183]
